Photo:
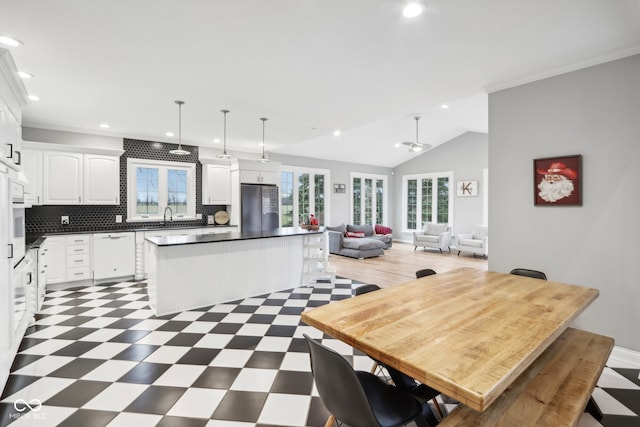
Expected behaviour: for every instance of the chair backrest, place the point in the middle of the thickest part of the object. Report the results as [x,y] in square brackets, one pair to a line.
[365,289]
[529,273]
[480,232]
[339,387]
[424,272]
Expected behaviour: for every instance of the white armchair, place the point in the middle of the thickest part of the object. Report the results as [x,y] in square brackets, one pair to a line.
[477,242]
[436,236]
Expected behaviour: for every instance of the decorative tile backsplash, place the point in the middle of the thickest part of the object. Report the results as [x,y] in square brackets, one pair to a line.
[46,219]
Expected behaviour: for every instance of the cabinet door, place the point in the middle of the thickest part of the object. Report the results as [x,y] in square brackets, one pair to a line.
[62,178]
[101,180]
[217,185]
[32,168]
[267,177]
[56,264]
[250,177]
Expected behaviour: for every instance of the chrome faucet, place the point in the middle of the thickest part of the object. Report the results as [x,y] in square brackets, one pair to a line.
[170,214]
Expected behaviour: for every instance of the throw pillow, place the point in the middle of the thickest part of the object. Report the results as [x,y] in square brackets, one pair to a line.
[381,229]
[366,229]
[354,234]
[342,229]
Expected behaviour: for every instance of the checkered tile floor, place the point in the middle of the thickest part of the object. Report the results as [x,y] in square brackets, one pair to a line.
[97,356]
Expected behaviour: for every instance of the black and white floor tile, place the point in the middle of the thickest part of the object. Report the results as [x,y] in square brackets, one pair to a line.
[98,357]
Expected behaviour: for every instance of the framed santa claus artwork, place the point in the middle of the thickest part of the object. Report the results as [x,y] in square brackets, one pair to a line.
[557,181]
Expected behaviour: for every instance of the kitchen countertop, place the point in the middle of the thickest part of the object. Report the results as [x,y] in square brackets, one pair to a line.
[228,237]
[33,239]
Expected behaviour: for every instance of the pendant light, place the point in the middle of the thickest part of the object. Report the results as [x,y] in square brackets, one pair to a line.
[263,159]
[179,151]
[224,154]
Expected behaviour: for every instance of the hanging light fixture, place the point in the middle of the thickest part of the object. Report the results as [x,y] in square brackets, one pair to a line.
[415,146]
[224,154]
[263,159]
[179,151]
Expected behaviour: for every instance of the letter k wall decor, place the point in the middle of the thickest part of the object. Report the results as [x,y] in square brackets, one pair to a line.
[467,188]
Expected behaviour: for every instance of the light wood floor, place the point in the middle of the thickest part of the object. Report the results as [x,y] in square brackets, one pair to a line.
[399,264]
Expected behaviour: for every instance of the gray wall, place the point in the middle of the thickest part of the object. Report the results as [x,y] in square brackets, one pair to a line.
[594,112]
[466,156]
[71,138]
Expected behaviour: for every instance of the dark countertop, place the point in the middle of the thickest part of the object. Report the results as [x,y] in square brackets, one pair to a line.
[228,237]
[35,238]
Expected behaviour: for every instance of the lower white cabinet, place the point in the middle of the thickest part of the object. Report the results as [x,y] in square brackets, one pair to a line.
[114,255]
[56,264]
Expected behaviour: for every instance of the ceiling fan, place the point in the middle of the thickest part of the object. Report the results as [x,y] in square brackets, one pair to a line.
[416,147]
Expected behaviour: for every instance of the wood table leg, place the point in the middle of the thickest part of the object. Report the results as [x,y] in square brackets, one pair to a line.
[330,421]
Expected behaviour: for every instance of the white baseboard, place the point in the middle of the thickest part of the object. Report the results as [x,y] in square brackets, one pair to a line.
[624,357]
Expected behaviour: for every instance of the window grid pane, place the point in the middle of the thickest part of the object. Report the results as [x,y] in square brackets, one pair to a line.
[147,191]
[177,190]
[412,199]
[427,200]
[319,198]
[286,199]
[379,200]
[368,200]
[357,201]
[443,200]
[303,198]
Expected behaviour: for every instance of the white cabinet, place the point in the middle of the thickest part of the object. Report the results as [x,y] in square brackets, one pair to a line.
[216,184]
[78,257]
[114,255]
[101,180]
[259,177]
[62,178]
[32,168]
[218,230]
[56,264]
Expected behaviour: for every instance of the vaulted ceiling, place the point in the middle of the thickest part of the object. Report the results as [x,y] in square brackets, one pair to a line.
[310,66]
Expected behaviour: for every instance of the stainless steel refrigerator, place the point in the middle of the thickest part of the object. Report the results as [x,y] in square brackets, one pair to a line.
[259,207]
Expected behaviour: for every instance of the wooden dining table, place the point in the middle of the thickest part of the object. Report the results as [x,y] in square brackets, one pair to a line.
[467,333]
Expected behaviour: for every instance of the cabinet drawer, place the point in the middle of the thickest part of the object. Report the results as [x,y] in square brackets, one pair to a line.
[81,273]
[77,249]
[78,240]
[75,261]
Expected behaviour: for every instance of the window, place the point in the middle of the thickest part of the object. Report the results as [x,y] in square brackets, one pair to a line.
[368,199]
[303,192]
[426,198]
[155,185]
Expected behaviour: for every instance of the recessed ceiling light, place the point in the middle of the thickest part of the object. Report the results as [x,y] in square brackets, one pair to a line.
[216,140]
[104,125]
[34,97]
[337,132]
[169,134]
[397,145]
[444,106]
[24,75]
[412,10]
[9,41]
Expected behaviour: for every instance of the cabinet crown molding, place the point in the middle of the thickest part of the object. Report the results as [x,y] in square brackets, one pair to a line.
[47,146]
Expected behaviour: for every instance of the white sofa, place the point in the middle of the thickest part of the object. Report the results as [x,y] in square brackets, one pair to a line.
[435,236]
[476,242]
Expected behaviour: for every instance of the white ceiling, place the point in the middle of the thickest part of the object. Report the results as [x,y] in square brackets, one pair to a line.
[310,66]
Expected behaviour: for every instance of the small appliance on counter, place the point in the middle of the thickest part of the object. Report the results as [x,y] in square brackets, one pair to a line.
[210,220]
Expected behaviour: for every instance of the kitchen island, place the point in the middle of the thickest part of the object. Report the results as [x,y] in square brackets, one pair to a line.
[186,272]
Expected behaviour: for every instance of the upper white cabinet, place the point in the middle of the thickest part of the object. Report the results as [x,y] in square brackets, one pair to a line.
[62,178]
[32,168]
[216,188]
[255,172]
[101,180]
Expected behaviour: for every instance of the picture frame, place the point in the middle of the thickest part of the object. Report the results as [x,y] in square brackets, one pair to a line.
[467,188]
[339,188]
[557,181]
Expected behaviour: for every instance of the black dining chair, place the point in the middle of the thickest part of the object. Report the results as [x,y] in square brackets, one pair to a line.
[361,399]
[529,273]
[424,272]
[365,289]
[405,382]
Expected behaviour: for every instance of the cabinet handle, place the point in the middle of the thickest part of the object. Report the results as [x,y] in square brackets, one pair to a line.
[78,260]
[10,247]
[79,199]
[78,274]
[38,199]
[18,159]
[79,250]
[30,278]
[117,200]
[10,151]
